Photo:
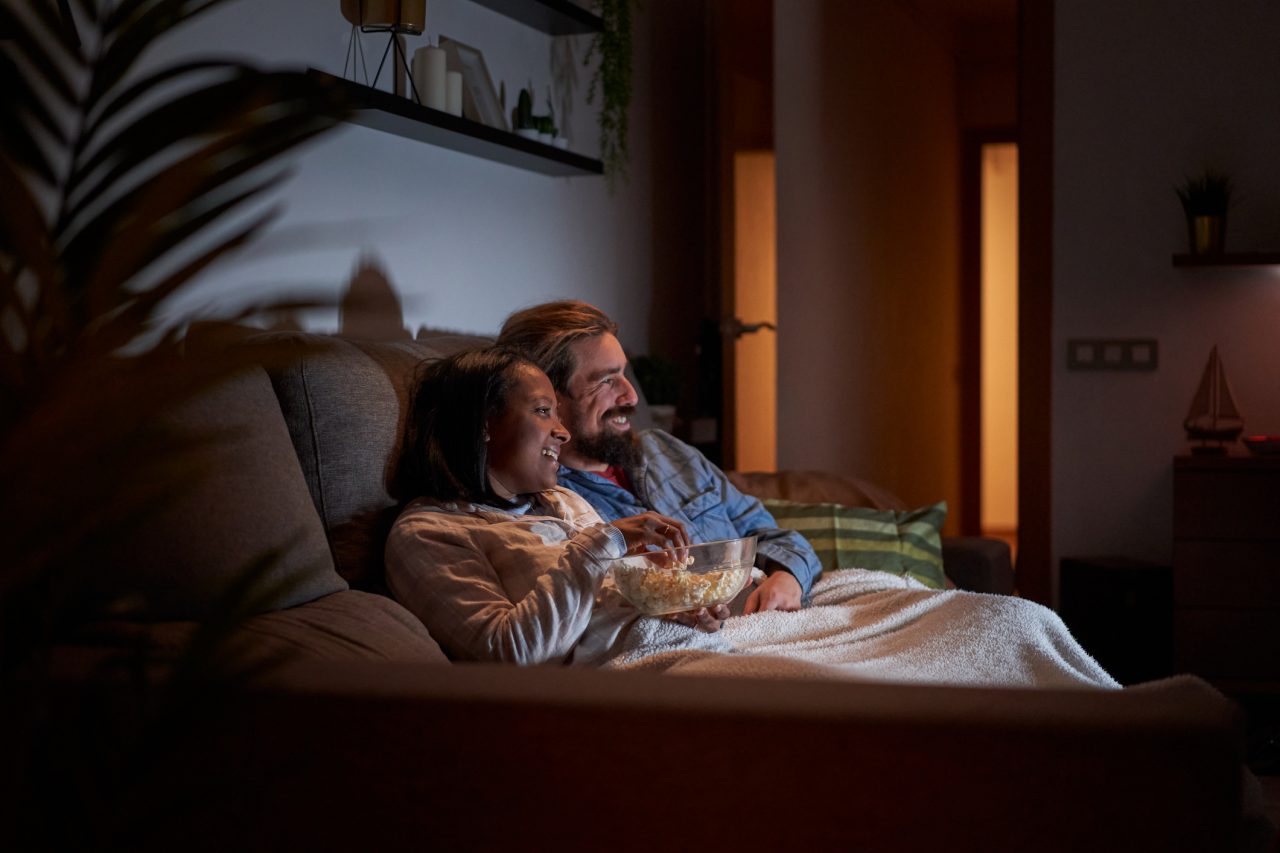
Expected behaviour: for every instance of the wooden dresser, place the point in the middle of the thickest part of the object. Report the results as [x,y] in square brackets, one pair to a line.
[1226,570]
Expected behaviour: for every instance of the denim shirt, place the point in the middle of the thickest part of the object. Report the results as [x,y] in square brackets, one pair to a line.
[678,481]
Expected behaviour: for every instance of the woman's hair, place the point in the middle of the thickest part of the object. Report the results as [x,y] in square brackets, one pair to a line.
[545,332]
[451,402]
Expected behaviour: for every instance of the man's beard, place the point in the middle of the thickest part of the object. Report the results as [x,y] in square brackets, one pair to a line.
[608,445]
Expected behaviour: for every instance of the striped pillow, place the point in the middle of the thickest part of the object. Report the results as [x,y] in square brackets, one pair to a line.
[905,543]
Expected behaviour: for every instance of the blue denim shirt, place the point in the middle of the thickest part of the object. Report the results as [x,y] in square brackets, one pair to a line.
[677,480]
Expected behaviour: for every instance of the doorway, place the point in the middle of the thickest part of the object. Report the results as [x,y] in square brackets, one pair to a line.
[998,443]
[755,307]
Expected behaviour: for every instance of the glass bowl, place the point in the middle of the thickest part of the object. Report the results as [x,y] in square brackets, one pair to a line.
[658,584]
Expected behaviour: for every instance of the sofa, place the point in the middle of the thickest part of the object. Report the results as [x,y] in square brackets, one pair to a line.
[328,718]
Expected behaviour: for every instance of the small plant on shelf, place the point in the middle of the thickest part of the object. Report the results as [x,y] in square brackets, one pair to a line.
[1205,201]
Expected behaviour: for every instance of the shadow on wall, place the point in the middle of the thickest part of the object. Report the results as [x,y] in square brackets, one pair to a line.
[371,309]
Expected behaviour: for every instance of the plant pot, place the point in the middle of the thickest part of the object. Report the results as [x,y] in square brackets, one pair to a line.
[664,416]
[1207,234]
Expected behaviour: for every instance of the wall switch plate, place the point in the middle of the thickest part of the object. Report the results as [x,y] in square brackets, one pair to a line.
[1113,354]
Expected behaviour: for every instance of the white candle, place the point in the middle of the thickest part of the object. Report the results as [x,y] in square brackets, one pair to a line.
[429,75]
[453,94]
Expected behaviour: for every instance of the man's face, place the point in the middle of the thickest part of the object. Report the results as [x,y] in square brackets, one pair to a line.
[597,406]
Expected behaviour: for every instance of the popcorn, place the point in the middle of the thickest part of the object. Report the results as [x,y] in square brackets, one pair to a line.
[657,590]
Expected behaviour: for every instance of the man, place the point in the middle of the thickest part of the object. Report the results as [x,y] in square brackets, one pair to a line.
[621,473]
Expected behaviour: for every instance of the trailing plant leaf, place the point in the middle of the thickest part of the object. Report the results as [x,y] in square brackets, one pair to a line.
[612,82]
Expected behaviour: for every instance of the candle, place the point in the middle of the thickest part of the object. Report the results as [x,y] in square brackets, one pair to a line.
[429,76]
[453,93]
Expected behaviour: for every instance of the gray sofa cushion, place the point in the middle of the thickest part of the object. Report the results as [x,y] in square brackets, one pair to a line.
[345,404]
[346,625]
[240,506]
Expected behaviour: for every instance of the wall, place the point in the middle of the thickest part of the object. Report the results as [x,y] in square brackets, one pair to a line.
[867,145]
[465,240]
[1143,96]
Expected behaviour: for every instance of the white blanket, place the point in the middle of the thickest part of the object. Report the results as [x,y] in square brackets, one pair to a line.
[877,626]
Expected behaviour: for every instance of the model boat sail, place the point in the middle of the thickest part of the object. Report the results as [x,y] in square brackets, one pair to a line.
[1213,415]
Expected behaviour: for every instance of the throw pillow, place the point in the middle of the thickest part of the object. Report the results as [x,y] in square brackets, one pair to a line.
[907,542]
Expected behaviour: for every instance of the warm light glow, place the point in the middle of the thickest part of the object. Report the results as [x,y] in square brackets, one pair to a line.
[756,300]
[1000,338]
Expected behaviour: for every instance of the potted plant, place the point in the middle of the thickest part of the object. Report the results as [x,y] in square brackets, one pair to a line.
[660,381]
[1205,200]
[119,189]
[612,83]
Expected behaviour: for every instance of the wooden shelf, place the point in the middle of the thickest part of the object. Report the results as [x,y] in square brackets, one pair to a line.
[555,17]
[1229,259]
[391,113]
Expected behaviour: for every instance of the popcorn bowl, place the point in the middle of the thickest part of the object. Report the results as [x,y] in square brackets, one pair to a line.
[660,582]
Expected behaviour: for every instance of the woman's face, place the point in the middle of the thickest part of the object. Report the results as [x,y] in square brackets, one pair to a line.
[525,437]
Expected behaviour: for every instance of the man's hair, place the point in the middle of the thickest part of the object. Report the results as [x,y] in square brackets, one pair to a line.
[545,333]
[452,399]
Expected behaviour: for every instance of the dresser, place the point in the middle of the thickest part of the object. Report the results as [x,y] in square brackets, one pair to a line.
[1226,570]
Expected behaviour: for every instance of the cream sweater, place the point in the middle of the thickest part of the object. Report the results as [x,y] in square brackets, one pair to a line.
[522,587]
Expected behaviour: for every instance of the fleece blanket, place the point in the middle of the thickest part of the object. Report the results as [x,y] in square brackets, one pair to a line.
[879,627]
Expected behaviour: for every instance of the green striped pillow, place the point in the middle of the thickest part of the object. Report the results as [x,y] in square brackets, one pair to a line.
[905,543]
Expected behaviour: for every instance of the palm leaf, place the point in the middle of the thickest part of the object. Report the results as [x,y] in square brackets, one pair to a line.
[130,34]
[23,41]
[221,108]
[104,111]
[20,144]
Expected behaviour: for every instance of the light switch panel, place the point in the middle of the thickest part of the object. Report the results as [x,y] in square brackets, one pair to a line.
[1112,354]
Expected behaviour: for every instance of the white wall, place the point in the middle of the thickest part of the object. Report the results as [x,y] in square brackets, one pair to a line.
[1147,91]
[465,240]
[867,147]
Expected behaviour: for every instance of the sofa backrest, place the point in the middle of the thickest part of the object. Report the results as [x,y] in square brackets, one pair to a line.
[345,404]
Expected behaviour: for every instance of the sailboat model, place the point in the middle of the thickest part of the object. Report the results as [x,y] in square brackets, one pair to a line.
[1213,415]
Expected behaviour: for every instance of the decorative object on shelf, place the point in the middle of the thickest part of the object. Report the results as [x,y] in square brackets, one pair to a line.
[532,126]
[1205,200]
[1263,445]
[479,98]
[522,115]
[1213,416]
[396,17]
[430,77]
[453,93]
[612,82]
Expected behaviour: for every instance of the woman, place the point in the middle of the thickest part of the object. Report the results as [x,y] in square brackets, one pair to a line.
[496,560]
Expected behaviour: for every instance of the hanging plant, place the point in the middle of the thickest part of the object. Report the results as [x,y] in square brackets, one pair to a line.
[612,81]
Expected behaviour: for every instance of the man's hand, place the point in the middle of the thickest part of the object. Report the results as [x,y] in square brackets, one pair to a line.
[779,591]
[706,618]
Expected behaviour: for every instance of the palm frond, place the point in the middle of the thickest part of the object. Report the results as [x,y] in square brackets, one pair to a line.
[131,30]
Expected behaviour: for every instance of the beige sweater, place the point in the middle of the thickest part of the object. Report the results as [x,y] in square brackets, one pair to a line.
[496,585]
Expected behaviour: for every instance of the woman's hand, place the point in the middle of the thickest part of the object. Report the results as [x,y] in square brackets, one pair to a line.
[706,618]
[652,529]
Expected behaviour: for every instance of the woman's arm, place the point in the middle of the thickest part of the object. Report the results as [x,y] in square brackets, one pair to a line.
[437,569]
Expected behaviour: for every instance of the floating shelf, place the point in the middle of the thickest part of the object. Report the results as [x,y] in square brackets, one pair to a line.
[556,17]
[391,113]
[1229,259]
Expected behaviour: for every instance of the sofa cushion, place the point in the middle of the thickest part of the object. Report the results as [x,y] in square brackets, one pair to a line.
[345,404]
[345,625]
[230,524]
[903,542]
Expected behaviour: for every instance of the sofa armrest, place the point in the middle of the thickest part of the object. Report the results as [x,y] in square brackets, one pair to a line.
[978,564]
